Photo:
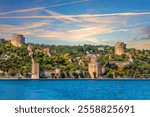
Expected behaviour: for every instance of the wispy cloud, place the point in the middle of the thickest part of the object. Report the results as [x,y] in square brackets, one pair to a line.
[77,35]
[37,29]
[40,8]
[83,31]
[83,15]
[60,16]
[140,46]
[146,44]
[81,28]
[145,30]
[90,31]
[113,14]
[22,10]
[141,38]
[25,29]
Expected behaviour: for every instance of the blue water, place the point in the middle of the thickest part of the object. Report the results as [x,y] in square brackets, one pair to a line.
[74,89]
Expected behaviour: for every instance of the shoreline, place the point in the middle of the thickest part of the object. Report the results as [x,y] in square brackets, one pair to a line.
[76,79]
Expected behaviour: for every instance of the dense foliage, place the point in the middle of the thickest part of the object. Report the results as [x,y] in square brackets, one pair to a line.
[16,60]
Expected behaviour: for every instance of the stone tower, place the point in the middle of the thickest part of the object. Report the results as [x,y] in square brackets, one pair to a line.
[94,68]
[120,48]
[35,71]
[17,40]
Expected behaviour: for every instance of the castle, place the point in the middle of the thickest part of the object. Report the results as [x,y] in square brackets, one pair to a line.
[94,68]
[120,48]
[17,40]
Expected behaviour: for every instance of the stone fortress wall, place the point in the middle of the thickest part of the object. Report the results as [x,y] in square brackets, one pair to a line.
[94,67]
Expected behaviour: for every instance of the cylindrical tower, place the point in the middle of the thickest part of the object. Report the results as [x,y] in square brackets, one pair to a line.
[35,71]
[120,48]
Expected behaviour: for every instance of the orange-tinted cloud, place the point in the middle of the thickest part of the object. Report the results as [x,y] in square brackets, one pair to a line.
[146,44]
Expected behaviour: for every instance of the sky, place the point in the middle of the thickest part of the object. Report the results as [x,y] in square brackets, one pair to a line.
[77,22]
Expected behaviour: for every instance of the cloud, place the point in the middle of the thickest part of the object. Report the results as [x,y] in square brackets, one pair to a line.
[146,44]
[22,10]
[90,31]
[37,29]
[41,8]
[145,30]
[100,20]
[75,28]
[140,38]
[69,3]
[59,35]
[140,46]
[60,16]
[83,15]
[76,35]
[25,29]
[82,30]
[79,30]
[95,30]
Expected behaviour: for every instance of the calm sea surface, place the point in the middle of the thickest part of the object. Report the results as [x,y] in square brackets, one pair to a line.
[74,89]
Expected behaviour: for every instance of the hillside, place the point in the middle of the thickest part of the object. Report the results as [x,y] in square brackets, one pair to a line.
[71,59]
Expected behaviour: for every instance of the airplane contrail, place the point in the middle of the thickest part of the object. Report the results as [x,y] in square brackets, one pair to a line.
[83,15]
[40,8]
